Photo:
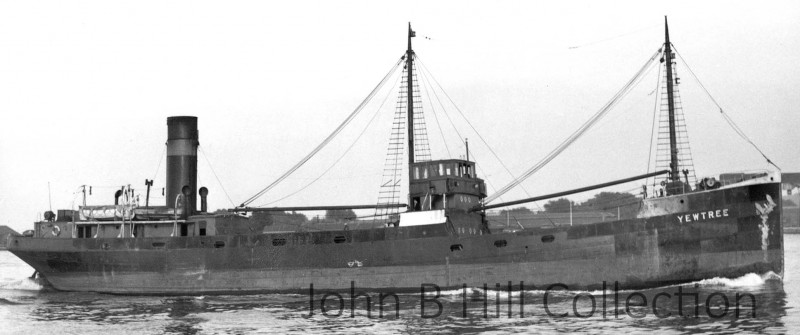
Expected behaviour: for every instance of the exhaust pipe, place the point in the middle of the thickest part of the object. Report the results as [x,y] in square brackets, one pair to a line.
[203,203]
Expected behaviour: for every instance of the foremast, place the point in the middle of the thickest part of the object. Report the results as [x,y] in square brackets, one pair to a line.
[673,150]
[673,143]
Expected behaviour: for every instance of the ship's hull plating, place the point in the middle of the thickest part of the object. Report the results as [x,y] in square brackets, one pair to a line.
[723,233]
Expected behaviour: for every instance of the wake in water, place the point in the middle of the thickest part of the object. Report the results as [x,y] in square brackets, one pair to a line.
[15,274]
[25,284]
[748,280]
[4,301]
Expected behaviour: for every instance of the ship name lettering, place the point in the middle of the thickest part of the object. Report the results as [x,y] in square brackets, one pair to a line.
[704,215]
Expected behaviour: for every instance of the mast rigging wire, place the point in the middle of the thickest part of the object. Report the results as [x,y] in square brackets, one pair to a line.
[655,115]
[436,95]
[435,117]
[374,115]
[658,99]
[215,175]
[327,139]
[426,80]
[725,116]
[468,123]
[163,153]
[580,131]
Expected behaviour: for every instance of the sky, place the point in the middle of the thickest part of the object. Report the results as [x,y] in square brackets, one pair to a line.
[86,87]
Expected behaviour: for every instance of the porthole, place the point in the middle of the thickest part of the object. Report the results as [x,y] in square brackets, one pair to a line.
[456,247]
[548,238]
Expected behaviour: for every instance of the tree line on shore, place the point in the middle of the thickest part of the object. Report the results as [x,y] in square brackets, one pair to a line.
[625,203]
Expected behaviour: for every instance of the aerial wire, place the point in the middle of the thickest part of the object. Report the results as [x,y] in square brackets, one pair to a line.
[612,38]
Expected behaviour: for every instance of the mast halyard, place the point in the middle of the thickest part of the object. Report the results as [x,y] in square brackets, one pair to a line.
[673,145]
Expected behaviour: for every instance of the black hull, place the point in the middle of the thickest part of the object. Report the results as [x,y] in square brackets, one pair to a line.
[728,233]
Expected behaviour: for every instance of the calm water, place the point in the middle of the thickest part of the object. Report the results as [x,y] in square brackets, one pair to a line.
[25,308]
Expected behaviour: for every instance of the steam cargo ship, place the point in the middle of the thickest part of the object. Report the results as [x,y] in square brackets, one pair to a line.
[685,229]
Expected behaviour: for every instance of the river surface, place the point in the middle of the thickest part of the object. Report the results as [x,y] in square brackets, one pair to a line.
[704,307]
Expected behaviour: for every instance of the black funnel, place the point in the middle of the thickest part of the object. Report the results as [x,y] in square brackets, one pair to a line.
[182,142]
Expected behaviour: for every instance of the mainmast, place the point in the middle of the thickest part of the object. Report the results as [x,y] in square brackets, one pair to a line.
[410,95]
[410,105]
[673,145]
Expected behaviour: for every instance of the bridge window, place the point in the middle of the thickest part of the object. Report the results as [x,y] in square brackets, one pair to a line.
[278,241]
[84,231]
[339,239]
[500,243]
